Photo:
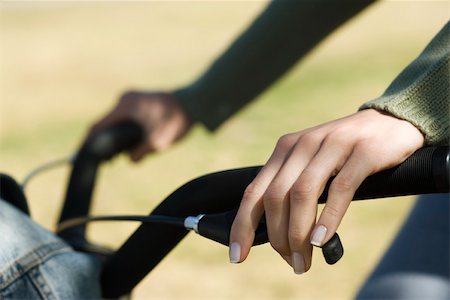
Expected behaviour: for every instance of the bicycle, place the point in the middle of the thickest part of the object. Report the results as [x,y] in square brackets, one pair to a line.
[192,207]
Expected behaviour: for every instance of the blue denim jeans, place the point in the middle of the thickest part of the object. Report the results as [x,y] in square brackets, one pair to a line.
[36,264]
[417,264]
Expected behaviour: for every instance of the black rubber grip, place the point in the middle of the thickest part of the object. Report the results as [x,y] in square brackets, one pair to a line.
[111,141]
[217,227]
[425,171]
[101,146]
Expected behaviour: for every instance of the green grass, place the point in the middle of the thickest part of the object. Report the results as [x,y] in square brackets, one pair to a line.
[63,65]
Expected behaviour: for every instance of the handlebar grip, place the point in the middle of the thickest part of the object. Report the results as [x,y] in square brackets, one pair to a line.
[101,146]
[112,140]
[217,227]
[425,171]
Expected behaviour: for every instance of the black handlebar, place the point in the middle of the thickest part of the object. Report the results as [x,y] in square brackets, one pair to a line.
[101,146]
[426,171]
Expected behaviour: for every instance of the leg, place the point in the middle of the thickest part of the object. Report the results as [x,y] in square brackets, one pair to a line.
[34,263]
[417,264]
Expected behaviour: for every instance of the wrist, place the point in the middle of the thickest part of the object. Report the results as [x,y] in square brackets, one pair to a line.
[413,131]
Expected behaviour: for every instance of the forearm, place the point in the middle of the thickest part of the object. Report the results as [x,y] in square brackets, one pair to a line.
[276,40]
[420,94]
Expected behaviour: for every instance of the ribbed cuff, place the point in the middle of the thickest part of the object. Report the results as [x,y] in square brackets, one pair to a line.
[425,105]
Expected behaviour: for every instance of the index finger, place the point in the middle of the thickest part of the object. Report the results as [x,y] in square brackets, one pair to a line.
[251,208]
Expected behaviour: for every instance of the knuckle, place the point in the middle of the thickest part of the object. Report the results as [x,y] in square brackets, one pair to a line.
[252,191]
[337,138]
[341,184]
[301,191]
[310,138]
[272,198]
[296,236]
[331,211]
[285,142]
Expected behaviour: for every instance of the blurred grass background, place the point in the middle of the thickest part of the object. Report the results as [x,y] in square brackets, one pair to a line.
[64,64]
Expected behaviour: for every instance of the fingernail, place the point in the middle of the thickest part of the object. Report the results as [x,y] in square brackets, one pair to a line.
[318,235]
[298,262]
[235,253]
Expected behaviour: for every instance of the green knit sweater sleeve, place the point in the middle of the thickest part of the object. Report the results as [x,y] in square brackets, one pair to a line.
[420,93]
[276,40]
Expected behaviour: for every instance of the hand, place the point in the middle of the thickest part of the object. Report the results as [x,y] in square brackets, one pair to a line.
[164,121]
[287,188]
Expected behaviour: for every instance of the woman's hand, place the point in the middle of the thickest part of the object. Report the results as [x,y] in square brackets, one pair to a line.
[162,118]
[289,185]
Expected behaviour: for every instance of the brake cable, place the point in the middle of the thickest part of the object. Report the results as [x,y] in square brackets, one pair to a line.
[45,167]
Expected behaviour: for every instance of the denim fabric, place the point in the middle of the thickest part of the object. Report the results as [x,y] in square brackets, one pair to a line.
[417,264]
[36,264]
